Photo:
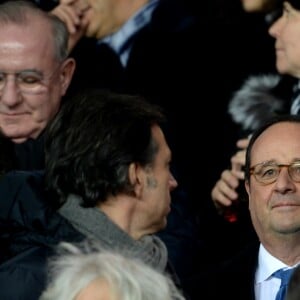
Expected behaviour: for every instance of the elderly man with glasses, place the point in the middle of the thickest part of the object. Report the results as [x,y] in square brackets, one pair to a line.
[35,74]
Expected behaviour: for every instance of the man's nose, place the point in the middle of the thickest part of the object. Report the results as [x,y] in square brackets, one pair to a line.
[10,94]
[284,182]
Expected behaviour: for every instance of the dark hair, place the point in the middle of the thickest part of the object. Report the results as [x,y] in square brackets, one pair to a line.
[277,119]
[93,140]
[20,12]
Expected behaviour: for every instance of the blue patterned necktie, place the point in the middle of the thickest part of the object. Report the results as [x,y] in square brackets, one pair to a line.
[284,275]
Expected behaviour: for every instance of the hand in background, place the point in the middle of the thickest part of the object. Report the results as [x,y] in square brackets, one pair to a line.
[224,193]
[72,13]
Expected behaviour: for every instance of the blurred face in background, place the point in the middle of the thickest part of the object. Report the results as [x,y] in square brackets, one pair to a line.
[107,16]
[286,31]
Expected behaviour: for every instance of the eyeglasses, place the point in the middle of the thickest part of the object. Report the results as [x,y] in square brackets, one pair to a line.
[267,173]
[28,81]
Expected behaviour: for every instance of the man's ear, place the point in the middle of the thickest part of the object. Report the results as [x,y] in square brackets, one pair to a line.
[66,74]
[135,175]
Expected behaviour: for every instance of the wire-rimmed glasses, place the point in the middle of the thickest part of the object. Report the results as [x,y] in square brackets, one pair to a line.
[28,81]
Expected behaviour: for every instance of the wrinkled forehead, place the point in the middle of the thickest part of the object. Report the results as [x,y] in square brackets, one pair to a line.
[280,142]
[26,45]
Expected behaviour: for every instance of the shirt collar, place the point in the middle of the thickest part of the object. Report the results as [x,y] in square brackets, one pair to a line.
[121,41]
[267,264]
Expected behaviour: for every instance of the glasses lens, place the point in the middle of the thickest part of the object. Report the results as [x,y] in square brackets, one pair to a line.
[28,82]
[294,170]
[266,173]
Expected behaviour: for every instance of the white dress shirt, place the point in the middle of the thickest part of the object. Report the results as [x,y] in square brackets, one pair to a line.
[266,286]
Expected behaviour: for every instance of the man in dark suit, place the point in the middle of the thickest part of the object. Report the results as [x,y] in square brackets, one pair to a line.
[272,182]
[259,98]
[286,32]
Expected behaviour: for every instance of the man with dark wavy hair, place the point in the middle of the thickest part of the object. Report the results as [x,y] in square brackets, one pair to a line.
[108,179]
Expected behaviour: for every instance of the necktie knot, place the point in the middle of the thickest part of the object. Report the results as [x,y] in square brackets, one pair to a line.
[284,276]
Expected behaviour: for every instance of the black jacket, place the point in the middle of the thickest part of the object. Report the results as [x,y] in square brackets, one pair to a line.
[235,278]
[232,279]
[29,230]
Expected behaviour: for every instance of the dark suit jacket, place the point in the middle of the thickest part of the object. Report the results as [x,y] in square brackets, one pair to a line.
[233,279]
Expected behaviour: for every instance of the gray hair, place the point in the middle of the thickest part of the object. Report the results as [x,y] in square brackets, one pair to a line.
[20,12]
[128,278]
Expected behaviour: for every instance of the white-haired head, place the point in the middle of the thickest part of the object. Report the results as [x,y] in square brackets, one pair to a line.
[128,278]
